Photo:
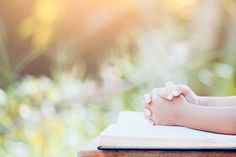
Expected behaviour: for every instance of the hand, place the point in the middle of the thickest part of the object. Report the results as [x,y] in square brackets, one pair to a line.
[170,91]
[165,112]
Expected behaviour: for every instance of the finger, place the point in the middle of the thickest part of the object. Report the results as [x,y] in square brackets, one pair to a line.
[154,92]
[148,106]
[151,122]
[182,89]
[176,91]
[162,92]
[146,117]
[148,112]
[147,98]
[169,87]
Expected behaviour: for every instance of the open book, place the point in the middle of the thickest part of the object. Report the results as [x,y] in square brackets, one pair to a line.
[132,131]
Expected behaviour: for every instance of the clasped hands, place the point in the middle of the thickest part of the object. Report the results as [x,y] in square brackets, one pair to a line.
[165,105]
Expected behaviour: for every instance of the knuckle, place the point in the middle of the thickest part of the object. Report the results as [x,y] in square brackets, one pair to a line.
[154,92]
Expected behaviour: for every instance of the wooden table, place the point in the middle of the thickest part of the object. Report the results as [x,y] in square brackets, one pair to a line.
[90,150]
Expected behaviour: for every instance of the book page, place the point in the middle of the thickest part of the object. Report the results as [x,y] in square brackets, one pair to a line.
[133,124]
[127,118]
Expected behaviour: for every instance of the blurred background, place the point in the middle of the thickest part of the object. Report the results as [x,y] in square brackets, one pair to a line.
[68,67]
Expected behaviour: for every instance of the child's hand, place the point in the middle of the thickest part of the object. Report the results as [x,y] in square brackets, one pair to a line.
[165,112]
[170,91]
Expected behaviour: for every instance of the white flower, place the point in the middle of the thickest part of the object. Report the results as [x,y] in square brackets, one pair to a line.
[24,111]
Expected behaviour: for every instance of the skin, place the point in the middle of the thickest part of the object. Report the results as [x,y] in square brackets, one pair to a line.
[184,108]
[218,101]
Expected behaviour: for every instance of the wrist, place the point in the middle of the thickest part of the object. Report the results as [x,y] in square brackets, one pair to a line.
[181,113]
[185,113]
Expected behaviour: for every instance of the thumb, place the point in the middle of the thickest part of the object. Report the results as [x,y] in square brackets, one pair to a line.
[183,89]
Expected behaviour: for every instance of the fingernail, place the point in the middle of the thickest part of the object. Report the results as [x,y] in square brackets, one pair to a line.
[175,92]
[169,97]
[147,99]
[148,112]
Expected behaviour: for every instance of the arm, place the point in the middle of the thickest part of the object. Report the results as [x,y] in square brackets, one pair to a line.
[212,119]
[217,101]
[221,119]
